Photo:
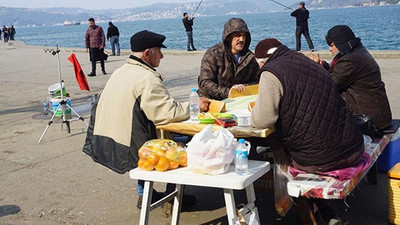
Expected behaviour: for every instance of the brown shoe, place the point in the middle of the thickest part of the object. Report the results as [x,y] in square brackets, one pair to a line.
[187,201]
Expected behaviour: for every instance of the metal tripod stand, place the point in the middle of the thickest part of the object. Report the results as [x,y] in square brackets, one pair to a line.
[63,103]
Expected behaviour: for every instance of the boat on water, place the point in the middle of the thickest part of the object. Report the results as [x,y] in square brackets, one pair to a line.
[69,23]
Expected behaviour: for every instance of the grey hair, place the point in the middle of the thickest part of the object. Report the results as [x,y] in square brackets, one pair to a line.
[140,54]
[137,54]
[261,60]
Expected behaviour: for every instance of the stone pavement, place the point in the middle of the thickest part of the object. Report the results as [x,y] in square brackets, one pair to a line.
[367,205]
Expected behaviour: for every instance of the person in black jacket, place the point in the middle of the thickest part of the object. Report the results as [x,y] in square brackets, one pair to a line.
[12,32]
[302,16]
[357,76]
[113,37]
[315,130]
[188,23]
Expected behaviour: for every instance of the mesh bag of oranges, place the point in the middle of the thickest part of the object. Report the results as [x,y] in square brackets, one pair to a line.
[161,155]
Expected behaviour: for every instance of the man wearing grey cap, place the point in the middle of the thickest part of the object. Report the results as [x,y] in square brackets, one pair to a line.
[132,103]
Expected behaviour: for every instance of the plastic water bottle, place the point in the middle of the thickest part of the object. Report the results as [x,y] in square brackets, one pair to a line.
[241,157]
[45,107]
[194,104]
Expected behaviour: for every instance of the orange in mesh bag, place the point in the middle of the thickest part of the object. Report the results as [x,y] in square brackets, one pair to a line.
[161,155]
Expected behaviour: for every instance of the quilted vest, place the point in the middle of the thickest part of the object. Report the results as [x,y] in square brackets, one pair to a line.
[314,124]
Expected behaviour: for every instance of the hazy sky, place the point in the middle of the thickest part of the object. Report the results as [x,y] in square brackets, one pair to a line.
[87,4]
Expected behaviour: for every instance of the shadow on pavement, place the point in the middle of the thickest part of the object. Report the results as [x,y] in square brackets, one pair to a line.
[6,210]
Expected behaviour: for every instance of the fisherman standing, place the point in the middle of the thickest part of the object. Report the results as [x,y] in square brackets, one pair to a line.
[188,23]
[302,16]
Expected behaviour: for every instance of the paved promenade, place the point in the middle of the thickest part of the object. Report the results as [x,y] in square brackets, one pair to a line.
[56,183]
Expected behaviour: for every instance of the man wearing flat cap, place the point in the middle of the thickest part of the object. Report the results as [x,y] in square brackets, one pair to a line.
[357,76]
[314,127]
[132,103]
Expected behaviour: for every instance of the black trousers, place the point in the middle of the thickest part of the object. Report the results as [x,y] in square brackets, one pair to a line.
[96,55]
[303,30]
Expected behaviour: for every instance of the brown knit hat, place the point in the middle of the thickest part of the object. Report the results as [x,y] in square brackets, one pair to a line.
[264,46]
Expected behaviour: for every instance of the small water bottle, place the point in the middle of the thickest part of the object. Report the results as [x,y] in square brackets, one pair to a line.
[194,105]
[45,107]
[241,157]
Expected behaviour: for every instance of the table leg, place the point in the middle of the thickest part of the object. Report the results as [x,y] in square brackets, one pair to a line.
[162,134]
[146,202]
[177,204]
[251,200]
[230,206]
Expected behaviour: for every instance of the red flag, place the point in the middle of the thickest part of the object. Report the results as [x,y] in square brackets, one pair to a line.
[80,76]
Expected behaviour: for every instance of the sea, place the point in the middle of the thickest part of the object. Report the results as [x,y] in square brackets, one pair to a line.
[377,26]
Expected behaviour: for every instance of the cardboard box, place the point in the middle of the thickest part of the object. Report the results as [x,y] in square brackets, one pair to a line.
[250,90]
[216,106]
[394,194]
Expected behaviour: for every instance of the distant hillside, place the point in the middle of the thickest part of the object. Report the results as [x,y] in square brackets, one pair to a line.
[346,3]
[57,16]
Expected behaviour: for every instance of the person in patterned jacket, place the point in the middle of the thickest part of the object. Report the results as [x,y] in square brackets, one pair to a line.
[95,42]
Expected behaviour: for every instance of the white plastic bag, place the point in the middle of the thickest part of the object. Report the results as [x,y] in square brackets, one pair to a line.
[211,153]
[367,141]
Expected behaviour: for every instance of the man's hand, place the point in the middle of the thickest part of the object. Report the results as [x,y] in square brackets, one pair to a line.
[315,57]
[204,103]
[102,46]
[192,18]
[239,87]
[86,50]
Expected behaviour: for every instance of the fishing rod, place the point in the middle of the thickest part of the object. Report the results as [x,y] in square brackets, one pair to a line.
[282,5]
[197,8]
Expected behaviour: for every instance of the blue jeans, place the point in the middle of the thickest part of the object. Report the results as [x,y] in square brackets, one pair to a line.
[190,40]
[114,42]
[140,187]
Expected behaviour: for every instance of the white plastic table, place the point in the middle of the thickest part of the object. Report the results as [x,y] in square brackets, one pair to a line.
[229,181]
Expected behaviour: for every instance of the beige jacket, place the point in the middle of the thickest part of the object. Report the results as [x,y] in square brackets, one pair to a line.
[266,110]
[133,80]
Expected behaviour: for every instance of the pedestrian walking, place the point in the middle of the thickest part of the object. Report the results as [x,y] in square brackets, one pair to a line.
[95,42]
[5,33]
[12,32]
